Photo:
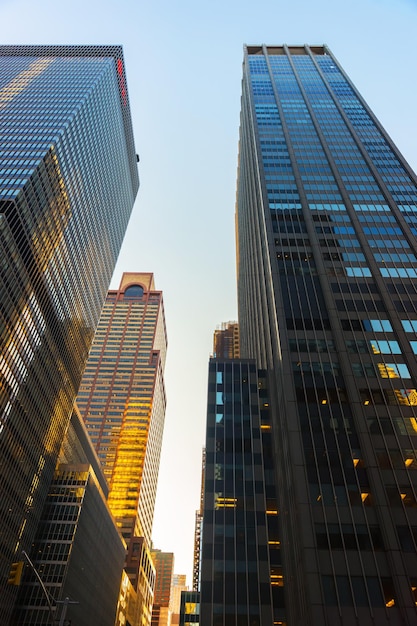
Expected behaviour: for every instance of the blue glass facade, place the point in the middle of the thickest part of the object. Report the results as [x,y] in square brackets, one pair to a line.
[327,211]
[68,181]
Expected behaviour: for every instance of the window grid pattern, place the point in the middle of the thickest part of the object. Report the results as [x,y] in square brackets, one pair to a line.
[122,401]
[241,570]
[338,273]
[65,125]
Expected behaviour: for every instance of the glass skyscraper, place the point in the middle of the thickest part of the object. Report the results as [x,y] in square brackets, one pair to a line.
[68,180]
[241,579]
[327,291]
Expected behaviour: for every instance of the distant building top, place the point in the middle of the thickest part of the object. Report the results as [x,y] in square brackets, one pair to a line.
[226,341]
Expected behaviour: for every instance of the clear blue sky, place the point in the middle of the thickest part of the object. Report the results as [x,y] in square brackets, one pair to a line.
[183,63]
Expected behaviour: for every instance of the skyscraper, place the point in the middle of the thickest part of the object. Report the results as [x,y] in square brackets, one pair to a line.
[68,180]
[162,607]
[326,229]
[241,569]
[122,399]
[226,341]
[179,584]
[198,528]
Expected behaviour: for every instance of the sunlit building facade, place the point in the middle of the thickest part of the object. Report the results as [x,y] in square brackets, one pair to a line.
[226,341]
[162,606]
[136,598]
[122,399]
[68,180]
[179,584]
[327,290]
[241,580]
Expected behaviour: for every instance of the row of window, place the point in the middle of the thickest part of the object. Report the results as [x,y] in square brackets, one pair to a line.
[392,397]
[385,370]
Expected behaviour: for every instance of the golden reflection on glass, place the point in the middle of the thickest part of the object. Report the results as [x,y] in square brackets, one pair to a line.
[385,371]
[406,396]
[375,348]
[221,502]
[277,579]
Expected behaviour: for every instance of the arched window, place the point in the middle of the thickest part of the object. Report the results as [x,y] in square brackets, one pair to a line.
[135,291]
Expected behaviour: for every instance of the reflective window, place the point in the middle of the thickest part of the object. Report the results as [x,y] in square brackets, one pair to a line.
[135,291]
[385,347]
[393,370]
[377,325]
[358,271]
[410,326]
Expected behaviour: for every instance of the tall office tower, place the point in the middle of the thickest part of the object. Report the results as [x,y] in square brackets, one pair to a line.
[327,220]
[162,608]
[241,569]
[122,399]
[141,572]
[68,180]
[179,584]
[226,341]
[77,550]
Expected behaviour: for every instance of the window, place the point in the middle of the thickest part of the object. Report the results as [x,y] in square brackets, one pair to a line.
[360,370]
[358,271]
[410,326]
[385,347]
[135,291]
[393,370]
[357,347]
[377,325]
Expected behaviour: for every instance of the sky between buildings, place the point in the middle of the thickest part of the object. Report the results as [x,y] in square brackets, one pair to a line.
[183,63]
